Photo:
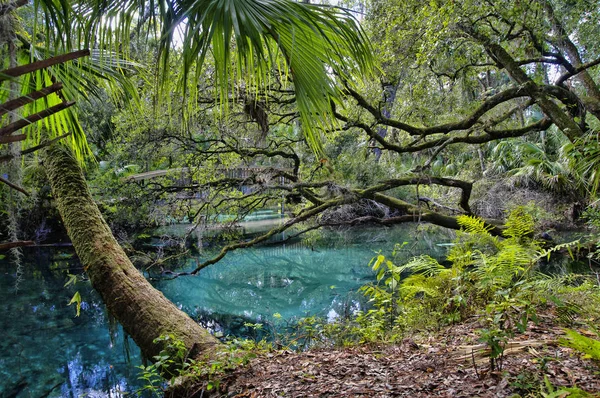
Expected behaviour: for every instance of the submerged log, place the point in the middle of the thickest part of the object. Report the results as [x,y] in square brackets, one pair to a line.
[19,243]
[143,311]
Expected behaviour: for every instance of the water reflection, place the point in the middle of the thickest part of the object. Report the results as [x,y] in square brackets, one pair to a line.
[316,277]
[45,350]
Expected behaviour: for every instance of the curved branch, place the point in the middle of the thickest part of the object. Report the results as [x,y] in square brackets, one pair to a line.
[465,187]
[308,213]
[464,124]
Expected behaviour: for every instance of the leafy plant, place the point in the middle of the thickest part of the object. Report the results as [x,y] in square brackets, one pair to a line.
[173,363]
[493,277]
[590,348]
[552,392]
[76,299]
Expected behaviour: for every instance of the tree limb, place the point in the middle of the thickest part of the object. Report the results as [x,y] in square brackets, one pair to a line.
[8,7]
[19,243]
[14,186]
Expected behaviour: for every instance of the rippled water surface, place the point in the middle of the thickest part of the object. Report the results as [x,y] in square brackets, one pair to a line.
[45,351]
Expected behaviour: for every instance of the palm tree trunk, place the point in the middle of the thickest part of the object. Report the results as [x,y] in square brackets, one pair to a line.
[142,310]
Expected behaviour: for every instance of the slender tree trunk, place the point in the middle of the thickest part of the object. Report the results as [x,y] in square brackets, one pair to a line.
[389,97]
[142,310]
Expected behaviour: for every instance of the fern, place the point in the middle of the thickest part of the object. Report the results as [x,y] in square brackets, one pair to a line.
[520,223]
[419,284]
[568,246]
[585,345]
[473,225]
[425,265]
[489,275]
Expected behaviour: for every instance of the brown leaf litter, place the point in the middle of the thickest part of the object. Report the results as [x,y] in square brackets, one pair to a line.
[447,365]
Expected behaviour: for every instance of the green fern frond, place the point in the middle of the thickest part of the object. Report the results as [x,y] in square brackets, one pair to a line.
[569,246]
[519,224]
[425,265]
[419,284]
[473,225]
[585,345]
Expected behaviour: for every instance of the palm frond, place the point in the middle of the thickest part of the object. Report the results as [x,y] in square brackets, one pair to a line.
[247,39]
[81,79]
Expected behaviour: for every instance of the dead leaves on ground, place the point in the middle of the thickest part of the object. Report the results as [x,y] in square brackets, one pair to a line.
[433,368]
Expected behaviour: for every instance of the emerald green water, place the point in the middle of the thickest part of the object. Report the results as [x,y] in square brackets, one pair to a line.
[46,351]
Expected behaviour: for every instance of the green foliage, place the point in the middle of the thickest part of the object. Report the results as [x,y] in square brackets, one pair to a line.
[246,40]
[494,278]
[173,364]
[76,299]
[590,348]
[549,391]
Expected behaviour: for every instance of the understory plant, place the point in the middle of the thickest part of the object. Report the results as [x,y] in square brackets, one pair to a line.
[173,366]
[497,279]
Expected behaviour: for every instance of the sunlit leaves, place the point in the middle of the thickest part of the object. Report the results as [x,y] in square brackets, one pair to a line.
[247,39]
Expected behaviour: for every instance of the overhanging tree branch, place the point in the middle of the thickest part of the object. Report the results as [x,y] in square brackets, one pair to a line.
[5,8]
[14,186]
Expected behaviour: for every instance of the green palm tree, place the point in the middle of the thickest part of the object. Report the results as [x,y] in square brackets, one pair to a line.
[251,41]
[255,41]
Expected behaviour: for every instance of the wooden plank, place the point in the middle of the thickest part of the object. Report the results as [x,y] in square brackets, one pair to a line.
[26,99]
[45,63]
[19,124]
[19,243]
[13,138]
[6,158]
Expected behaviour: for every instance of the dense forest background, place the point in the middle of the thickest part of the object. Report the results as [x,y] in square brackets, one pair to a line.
[502,95]
[472,115]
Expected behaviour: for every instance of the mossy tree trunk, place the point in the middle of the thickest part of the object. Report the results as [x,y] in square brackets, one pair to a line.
[143,311]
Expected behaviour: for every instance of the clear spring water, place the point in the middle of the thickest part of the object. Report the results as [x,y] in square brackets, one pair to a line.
[45,351]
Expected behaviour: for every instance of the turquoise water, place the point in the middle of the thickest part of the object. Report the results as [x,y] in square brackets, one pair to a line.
[319,275]
[46,351]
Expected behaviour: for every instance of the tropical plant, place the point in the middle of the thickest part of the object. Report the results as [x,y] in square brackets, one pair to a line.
[497,279]
[589,347]
[253,44]
[308,45]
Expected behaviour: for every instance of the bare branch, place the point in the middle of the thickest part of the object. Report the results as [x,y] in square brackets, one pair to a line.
[14,186]
[19,243]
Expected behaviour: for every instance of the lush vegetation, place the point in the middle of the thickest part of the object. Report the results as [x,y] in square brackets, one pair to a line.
[482,117]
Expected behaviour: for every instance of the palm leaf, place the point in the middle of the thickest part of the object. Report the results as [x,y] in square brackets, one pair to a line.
[246,39]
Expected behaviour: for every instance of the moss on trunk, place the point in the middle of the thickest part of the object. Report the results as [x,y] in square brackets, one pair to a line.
[143,311]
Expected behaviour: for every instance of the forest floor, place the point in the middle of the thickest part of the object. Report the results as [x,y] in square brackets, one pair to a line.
[449,364]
